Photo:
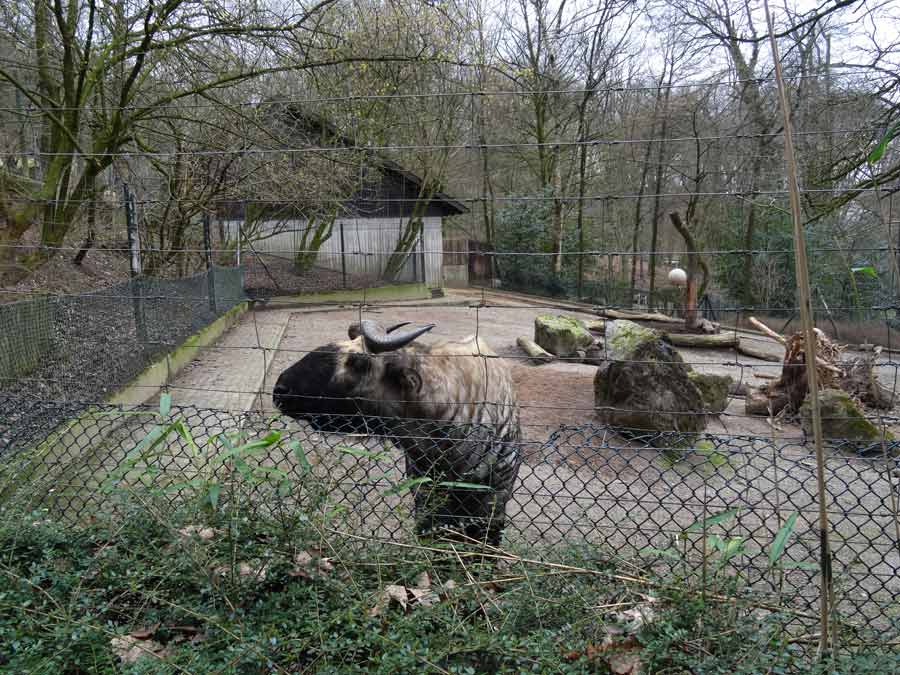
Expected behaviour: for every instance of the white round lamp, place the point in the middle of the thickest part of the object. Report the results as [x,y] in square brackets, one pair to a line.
[678,277]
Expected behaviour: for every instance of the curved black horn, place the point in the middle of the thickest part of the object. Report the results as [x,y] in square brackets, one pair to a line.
[377,340]
[354,330]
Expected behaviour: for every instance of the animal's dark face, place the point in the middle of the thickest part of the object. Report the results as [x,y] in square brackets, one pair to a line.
[341,388]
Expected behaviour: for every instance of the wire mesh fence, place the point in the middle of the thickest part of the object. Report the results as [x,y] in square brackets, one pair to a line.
[641,499]
[76,348]
[552,235]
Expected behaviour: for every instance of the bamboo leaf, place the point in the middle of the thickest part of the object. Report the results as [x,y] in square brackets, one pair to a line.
[713,520]
[879,150]
[465,486]
[868,271]
[302,460]
[781,538]
[405,485]
[363,454]
[213,495]
[165,404]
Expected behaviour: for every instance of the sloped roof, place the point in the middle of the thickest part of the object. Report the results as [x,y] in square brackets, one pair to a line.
[318,125]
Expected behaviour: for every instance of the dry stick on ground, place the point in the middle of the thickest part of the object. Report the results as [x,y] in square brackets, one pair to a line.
[500,555]
[534,350]
[802,270]
[637,316]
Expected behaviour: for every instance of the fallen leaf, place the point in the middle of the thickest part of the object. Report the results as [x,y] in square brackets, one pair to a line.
[636,617]
[129,649]
[424,597]
[303,565]
[202,533]
[244,569]
[625,663]
[144,633]
[423,581]
[391,593]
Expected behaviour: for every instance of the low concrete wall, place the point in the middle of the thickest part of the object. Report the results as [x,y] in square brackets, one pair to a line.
[79,439]
[149,383]
[373,295]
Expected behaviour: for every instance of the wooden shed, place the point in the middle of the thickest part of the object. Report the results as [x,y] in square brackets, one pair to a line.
[370,223]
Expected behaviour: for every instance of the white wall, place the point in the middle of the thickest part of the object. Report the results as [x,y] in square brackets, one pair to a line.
[368,243]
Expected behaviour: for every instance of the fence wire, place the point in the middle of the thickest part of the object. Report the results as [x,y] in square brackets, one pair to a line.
[60,351]
[580,483]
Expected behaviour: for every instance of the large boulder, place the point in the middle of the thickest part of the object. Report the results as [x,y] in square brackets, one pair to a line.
[645,385]
[714,390]
[843,420]
[562,335]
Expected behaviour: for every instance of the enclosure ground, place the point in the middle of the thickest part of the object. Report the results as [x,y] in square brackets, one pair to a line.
[580,480]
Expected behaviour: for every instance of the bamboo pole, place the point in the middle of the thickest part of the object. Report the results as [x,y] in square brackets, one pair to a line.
[802,270]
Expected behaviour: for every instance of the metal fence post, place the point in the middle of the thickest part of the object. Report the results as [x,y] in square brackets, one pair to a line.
[210,270]
[136,285]
[343,258]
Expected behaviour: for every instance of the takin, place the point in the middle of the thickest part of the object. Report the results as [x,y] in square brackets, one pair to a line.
[450,406]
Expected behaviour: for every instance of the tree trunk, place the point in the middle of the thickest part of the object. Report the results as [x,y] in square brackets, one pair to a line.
[654,224]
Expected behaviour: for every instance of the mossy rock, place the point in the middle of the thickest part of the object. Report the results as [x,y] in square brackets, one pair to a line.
[649,393]
[562,335]
[714,389]
[623,338]
[843,420]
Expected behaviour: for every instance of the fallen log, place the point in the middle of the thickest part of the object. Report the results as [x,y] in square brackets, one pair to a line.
[747,350]
[721,341]
[595,325]
[638,316]
[537,353]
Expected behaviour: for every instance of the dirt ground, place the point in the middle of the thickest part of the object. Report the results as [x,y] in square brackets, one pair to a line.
[554,394]
[582,480]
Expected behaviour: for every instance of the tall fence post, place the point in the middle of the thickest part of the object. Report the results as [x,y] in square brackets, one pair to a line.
[136,284]
[422,251]
[343,258]
[210,270]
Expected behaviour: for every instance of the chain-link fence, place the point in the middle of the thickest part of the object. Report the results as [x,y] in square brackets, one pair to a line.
[583,483]
[59,351]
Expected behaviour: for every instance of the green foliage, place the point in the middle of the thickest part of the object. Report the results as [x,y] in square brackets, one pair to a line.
[215,586]
[68,593]
[525,227]
[879,150]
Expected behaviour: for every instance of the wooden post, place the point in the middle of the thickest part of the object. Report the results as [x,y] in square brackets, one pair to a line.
[210,270]
[136,287]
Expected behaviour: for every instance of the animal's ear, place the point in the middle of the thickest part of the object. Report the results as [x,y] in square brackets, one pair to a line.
[358,363]
[404,378]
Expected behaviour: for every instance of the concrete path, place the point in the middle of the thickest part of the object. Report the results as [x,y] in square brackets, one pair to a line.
[229,375]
